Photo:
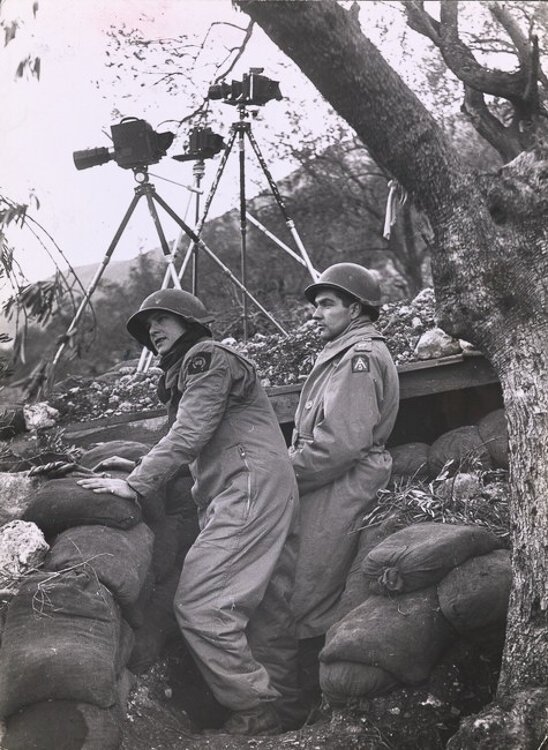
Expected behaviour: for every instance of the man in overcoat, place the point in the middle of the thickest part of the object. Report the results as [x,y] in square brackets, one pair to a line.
[346,411]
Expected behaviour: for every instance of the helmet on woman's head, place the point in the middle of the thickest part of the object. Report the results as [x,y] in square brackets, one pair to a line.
[175,301]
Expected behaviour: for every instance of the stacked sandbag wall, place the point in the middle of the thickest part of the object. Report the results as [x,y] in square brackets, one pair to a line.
[424,587]
[101,603]
[484,445]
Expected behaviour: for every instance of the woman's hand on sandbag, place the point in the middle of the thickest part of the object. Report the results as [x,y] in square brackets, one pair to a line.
[115,462]
[118,487]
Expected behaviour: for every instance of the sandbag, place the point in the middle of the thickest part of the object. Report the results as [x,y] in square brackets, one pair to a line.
[61,642]
[341,680]
[134,613]
[61,504]
[357,587]
[158,627]
[404,635]
[130,449]
[422,554]
[475,595]
[410,460]
[64,725]
[463,446]
[494,433]
[178,495]
[173,536]
[119,558]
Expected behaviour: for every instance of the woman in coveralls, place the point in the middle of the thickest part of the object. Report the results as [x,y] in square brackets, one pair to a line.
[232,600]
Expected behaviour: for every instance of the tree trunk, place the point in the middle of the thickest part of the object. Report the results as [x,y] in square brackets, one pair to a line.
[489,264]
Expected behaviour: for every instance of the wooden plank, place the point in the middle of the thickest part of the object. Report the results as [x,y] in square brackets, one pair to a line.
[416,379]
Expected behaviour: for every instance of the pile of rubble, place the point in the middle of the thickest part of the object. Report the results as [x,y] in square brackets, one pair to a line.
[410,331]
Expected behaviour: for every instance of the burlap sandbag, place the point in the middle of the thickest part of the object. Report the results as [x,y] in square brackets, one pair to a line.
[357,587]
[134,613]
[119,558]
[130,449]
[404,635]
[174,534]
[61,504]
[410,460]
[61,642]
[463,447]
[475,595]
[422,554]
[494,433]
[159,625]
[64,725]
[341,680]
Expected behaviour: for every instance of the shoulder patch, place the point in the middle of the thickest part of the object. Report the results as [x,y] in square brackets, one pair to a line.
[199,362]
[360,363]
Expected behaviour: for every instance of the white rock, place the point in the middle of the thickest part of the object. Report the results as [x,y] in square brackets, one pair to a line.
[22,548]
[467,347]
[16,492]
[39,415]
[435,343]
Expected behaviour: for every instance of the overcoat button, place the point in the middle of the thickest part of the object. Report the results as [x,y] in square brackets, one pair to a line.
[308,405]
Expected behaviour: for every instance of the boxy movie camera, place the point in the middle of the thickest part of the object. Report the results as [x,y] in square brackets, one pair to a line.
[253,89]
[203,143]
[135,145]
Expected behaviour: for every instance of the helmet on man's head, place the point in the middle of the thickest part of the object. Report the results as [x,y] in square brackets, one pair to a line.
[350,278]
[175,301]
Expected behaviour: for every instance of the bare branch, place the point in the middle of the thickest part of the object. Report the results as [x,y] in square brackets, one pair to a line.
[464,65]
[247,37]
[489,126]
[501,14]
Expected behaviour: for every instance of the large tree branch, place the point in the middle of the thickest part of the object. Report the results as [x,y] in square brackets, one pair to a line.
[329,47]
[505,139]
[458,57]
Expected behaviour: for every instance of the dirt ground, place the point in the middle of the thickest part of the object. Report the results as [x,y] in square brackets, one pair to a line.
[169,706]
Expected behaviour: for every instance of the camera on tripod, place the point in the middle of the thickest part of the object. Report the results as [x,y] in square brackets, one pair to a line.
[135,145]
[253,89]
[203,143]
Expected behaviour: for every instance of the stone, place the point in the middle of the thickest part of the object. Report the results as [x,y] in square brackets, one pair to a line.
[435,343]
[40,415]
[22,548]
[16,492]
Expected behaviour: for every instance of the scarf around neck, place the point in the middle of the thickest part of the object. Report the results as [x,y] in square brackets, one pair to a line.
[170,363]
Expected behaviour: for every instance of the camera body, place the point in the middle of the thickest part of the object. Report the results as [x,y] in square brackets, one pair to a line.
[253,89]
[203,143]
[135,145]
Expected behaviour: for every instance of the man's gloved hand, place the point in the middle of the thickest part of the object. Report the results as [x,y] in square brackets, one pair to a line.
[115,462]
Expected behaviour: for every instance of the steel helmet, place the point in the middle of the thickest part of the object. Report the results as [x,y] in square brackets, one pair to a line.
[175,301]
[351,278]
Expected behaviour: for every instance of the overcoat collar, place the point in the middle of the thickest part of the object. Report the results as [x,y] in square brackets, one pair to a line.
[356,331]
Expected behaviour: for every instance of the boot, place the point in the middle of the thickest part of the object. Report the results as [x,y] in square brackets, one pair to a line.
[261,719]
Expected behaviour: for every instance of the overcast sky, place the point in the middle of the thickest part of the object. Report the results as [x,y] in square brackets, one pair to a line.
[66,110]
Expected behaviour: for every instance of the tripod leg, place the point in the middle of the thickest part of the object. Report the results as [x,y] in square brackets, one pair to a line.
[93,284]
[275,239]
[202,246]
[279,200]
[165,247]
[243,230]
[208,200]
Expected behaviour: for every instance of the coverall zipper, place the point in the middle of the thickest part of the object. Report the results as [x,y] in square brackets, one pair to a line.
[243,454]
